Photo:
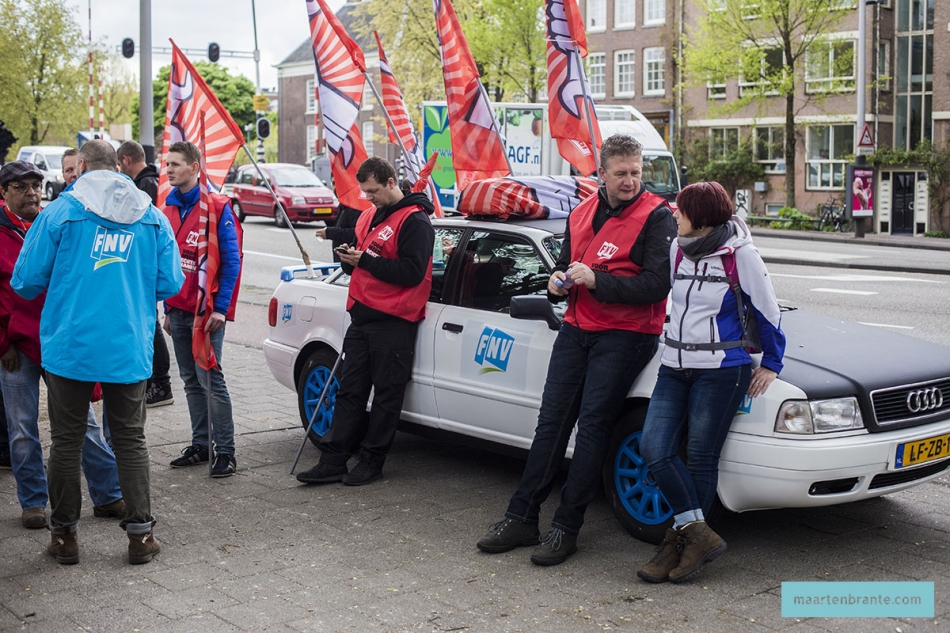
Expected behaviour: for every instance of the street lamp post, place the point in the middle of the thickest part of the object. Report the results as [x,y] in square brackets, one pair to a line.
[257,70]
[860,159]
[146,115]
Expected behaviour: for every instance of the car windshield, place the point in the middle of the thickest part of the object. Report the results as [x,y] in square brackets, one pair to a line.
[659,175]
[54,162]
[295,178]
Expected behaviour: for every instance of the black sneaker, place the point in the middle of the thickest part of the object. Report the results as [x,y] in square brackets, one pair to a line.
[224,465]
[364,473]
[555,548]
[158,396]
[190,456]
[322,474]
[508,534]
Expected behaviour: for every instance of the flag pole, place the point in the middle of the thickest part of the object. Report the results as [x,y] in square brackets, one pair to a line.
[402,146]
[588,107]
[281,210]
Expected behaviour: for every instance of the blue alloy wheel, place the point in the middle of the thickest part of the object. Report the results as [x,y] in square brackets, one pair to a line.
[313,387]
[636,489]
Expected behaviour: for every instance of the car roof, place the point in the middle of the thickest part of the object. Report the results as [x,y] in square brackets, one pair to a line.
[274,166]
[542,228]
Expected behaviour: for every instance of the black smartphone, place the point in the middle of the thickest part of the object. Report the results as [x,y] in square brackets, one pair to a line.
[341,249]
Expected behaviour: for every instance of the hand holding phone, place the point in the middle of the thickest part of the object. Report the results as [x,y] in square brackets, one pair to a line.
[342,249]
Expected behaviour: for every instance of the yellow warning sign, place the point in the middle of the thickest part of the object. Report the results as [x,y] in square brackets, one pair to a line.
[261,103]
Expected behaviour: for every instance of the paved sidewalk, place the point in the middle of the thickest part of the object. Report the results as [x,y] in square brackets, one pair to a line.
[871,239]
[258,551]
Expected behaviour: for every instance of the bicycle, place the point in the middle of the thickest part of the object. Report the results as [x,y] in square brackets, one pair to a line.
[833,216]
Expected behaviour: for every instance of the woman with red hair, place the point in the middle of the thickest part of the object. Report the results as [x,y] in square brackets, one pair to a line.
[722,304]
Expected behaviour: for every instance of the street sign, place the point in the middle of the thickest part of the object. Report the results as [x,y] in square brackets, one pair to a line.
[261,103]
[865,142]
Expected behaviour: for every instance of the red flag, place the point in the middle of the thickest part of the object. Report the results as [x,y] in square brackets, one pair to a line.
[424,174]
[340,83]
[188,97]
[209,261]
[402,127]
[567,114]
[477,147]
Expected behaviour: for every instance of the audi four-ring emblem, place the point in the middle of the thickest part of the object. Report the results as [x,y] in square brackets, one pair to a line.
[924,399]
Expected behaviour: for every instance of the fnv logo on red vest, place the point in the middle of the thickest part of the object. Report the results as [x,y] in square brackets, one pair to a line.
[192,239]
[386,233]
[607,250]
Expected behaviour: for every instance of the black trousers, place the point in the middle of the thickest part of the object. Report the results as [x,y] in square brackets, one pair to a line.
[378,356]
[161,362]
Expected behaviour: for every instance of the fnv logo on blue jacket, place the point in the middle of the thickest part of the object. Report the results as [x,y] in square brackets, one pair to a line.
[111,246]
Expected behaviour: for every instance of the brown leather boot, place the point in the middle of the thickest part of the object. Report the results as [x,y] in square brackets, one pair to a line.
[700,546]
[142,548]
[114,510]
[64,548]
[665,559]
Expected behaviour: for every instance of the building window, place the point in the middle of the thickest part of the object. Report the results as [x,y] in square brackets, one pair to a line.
[829,67]
[624,71]
[596,15]
[368,141]
[716,89]
[827,147]
[311,141]
[913,72]
[884,65]
[770,148]
[722,142]
[654,71]
[654,12]
[368,98]
[625,14]
[311,96]
[597,73]
[768,70]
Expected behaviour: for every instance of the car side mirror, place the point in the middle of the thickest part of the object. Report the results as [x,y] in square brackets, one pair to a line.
[534,308]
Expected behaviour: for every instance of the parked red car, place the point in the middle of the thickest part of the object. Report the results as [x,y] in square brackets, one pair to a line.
[304,196]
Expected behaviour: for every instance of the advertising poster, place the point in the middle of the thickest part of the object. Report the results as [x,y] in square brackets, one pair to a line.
[523,129]
[860,190]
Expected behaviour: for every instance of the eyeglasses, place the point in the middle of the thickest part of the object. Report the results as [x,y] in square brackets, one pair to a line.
[25,187]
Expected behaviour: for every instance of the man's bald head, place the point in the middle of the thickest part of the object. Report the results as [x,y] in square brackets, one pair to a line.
[97,155]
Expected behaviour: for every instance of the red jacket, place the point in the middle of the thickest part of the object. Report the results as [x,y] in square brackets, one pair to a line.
[19,318]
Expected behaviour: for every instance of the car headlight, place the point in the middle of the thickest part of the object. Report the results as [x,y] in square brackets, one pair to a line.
[819,416]
[59,178]
[298,201]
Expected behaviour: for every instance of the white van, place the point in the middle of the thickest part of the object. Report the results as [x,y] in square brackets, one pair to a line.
[49,160]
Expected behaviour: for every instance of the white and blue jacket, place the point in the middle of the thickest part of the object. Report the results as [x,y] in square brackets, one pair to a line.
[107,256]
[704,330]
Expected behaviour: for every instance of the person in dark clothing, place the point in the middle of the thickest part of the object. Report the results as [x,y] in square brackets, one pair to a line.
[614,270]
[390,268]
[344,231]
[132,163]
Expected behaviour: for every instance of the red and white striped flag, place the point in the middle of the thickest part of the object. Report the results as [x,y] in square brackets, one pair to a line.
[188,97]
[477,147]
[209,262]
[340,82]
[402,127]
[567,114]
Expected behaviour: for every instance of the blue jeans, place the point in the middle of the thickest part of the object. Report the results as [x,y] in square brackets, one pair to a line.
[21,396]
[589,375]
[700,404]
[195,379]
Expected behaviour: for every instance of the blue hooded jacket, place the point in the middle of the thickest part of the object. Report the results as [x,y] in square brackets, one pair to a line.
[107,257]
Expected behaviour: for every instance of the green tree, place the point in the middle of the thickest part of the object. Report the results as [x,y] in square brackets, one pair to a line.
[764,44]
[236,94]
[120,89]
[42,77]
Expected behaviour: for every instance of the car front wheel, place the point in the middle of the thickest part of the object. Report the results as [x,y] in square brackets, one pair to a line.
[238,211]
[279,218]
[313,377]
[50,192]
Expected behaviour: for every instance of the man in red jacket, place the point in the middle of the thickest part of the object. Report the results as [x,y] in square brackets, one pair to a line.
[614,270]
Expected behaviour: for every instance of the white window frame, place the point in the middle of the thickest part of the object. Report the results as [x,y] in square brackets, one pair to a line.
[632,64]
[631,21]
[311,141]
[655,75]
[369,100]
[597,61]
[775,162]
[367,131]
[833,166]
[596,10]
[654,12]
[884,65]
[311,96]
[715,90]
[760,80]
[722,132]
[830,50]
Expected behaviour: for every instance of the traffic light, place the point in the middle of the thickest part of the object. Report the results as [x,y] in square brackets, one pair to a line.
[214,51]
[263,128]
[128,48]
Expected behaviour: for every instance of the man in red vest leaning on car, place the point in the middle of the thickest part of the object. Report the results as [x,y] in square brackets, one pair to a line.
[614,269]
[390,269]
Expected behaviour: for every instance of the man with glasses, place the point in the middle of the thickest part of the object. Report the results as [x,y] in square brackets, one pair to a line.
[21,184]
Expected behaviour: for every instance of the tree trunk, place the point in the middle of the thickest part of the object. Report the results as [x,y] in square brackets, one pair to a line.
[790,150]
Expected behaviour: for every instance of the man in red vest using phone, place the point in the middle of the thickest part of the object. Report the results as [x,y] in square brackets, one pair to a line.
[390,268]
[181,208]
[614,270]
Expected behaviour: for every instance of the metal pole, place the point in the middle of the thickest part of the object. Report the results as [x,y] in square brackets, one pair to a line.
[257,71]
[494,123]
[588,107]
[389,121]
[316,410]
[146,115]
[280,209]
[208,396]
[862,88]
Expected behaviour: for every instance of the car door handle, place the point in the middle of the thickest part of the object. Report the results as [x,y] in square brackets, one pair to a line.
[453,327]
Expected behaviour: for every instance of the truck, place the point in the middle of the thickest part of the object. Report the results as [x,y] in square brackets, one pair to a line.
[532,151]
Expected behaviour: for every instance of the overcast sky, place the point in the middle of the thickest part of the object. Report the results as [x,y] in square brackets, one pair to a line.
[281,27]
